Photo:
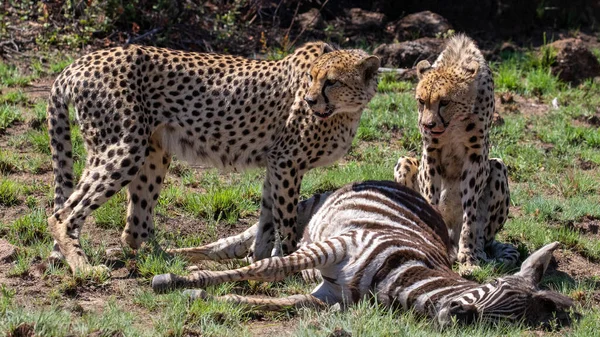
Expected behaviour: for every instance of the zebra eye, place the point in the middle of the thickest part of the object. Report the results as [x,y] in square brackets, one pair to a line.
[495,283]
[444,102]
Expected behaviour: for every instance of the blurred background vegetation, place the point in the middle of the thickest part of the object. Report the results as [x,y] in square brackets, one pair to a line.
[258,26]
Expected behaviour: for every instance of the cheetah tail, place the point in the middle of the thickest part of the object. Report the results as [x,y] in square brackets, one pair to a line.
[59,130]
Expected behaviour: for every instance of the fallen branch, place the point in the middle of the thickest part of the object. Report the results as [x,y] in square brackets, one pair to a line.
[393,70]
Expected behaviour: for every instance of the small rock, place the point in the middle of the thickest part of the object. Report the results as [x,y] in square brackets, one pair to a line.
[7,251]
[419,25]
[312,19]
[362,20]
[574,62]
[407,54]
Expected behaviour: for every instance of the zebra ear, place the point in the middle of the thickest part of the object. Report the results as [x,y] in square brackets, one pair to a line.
[534,267]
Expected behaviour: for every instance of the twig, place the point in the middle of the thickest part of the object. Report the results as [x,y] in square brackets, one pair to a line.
[287,34]
[143,36]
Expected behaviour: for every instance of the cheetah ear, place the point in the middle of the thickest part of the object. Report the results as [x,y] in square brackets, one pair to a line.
[369,66]
[327,48]
[534,267]
[422,67]
[470,69]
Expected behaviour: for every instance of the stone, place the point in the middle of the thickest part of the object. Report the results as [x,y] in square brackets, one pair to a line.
[311,19]
[362,20]
[574,62]
[419,25]
[407,54]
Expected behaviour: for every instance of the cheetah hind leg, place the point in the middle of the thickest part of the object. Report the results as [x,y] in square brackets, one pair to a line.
[498,205]
[91,192]
[406,172]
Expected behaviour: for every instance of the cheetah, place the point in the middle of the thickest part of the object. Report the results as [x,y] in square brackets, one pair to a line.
[455,98]
[137,106]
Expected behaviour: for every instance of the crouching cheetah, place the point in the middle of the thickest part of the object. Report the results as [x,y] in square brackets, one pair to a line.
[455,99]
[137,106]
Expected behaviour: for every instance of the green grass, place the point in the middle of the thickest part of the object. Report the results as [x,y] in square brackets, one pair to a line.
[11,76]
[9,192]
[551,193]
[112,213]
[8,115]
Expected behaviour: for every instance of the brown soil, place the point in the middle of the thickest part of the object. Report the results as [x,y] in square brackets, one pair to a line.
[588,226]
[507,103]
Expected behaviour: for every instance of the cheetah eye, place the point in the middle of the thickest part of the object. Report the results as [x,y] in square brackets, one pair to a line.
[444,102]
[421,101]
[309,77]
[329,82]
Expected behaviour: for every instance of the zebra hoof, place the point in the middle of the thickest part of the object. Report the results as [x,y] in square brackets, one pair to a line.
[163,283]
[195,294]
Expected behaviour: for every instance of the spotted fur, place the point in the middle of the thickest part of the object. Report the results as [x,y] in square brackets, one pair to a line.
[137,106]
[455,98]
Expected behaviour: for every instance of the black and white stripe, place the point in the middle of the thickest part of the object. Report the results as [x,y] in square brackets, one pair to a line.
[379,237]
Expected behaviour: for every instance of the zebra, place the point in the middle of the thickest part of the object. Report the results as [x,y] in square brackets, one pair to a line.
[379,237]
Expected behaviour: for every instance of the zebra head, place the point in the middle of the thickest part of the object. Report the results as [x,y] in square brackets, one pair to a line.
[514,297]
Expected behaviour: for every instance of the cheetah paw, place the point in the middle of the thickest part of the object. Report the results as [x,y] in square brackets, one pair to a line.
[467,269]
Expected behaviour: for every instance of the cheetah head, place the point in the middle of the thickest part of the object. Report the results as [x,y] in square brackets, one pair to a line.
[341,81]
[445,94]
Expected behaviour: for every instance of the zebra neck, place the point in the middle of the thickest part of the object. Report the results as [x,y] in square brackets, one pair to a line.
[419,286]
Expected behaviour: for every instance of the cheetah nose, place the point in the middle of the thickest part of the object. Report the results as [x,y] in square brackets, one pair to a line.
[311,101]
[429,125]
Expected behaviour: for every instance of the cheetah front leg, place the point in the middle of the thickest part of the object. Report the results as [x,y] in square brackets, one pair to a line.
[495,214]
[265,233]
[429,180]
[142,193]
[277,233]
[473,178]
[406,172]
[285,191]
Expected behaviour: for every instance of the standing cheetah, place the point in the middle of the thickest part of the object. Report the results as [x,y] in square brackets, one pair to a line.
[455,99]
[137,106]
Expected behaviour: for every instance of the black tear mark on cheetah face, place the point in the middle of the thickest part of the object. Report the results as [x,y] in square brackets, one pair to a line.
[341,82]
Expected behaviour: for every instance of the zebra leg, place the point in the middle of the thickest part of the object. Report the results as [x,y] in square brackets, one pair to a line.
[233,247]
[406,172]
[314,255]
[267,304]
[240,246]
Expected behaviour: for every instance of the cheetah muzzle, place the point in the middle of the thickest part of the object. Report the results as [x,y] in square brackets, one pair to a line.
[138,106]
